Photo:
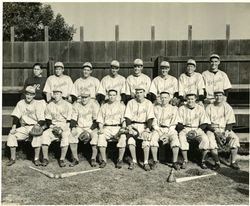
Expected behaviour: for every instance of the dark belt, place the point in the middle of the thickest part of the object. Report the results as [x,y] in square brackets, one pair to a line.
[164,126]
[29,124]
[113,125]
[135,122]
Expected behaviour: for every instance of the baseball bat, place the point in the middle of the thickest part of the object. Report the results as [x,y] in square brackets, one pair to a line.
[48,174]
[184,179]
[69,174]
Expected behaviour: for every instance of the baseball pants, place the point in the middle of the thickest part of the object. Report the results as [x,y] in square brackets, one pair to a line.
[73,138]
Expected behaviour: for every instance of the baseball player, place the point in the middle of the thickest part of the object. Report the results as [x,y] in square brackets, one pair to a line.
[59,80]
[86,82]
[29,113]
[110,119]
[164,82]
[164,128]
[222,120]
[139,114]
[137,80]
[192,120]
[191,82]
[113,81]
[215,79]
[83,120]
[58,115]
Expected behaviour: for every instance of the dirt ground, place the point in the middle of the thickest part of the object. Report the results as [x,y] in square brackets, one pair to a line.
[21,185]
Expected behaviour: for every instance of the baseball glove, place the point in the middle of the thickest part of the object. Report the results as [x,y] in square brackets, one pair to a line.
[175,101]
[85,137]
[146,136]
[36,131]
[57,131]
[220,139]
[191,135]
[123,130]
[133,132]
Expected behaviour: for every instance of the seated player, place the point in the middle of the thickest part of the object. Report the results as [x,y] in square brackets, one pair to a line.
[139,114]
[220,131]
[192,121]
[29,112]
[83,124]
[110,120]
[58,115]
[164,128]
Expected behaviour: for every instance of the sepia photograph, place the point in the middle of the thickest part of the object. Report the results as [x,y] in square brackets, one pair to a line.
[125,103]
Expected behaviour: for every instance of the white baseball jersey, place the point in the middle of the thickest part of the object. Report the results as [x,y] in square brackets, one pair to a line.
[133,82]
[63,82]
[139,111]
[159,84]
[165,115]
[117,83]
[59,112]
[220,115]
[192,117]
[28,114]
[111,114]
[215,82]
[85,114]
[91,83]
[191,84]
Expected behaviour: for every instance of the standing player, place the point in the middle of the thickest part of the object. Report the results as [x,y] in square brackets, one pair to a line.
[215,79]
[87,82]
[191,82]
[222,120]
[138,80]
[59,80]
[83,119]
[110,119]
[113,81]
[164,128]
[58,115]
[29,113]
[164,82]
[192,121]
[139,114]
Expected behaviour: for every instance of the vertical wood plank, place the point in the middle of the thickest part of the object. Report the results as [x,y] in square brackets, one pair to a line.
[110,51]
[18,52]
[74,51]
[81,34]
[88,51]
[158,48]
[146,47]
[172,50]
[152,33]
[42,52]
[46,33]
[244,74]
[245,46]
[7,51]
[99,52]
[189,49]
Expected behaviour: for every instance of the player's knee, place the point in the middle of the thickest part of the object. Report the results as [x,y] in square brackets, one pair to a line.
[131,141]
[145,144]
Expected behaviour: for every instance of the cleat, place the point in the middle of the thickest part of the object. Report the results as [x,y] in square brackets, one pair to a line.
[45,162]
[154,165]
[184,165]
[11,162]
[176,166]
[37,163]
[146,167]
[103,164]
[203,165]
[131,166]
[93,163]
[235,166]
[119,164]
[216,166]
[74,163]
[62,163]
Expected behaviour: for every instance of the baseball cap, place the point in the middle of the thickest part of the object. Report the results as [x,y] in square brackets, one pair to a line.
[112,90]
[59,64]
[139,88]
[219,92]
[191,94]
[57,89]
[165,64]
[138,62]
[87,64]
[30,89]
[214,56]
[85,93]
[165,92]
[192,62]
[115,63]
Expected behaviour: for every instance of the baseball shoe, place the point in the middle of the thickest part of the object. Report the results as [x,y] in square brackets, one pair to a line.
[154,165]
[235,165]
[216,166]
[119,164]
[37,162]
[45,162]
[131,166]
[62,163]
[146,167]
[176,166]
[93,163]
[203,165]
[74,163]
[184,165]
[11,162]
[103,164]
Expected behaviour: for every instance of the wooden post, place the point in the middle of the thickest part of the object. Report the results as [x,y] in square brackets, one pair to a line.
[12,39]
[46,39]
[116,32]
[152,33]
[189,40]
[81,34]
[228,31]
[50,67]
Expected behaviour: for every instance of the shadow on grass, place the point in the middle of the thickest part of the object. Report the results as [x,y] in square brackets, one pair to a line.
[243,191]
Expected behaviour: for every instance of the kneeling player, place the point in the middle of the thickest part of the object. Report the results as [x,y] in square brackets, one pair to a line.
[30,112]
[192,121]
[164,128]
[83,124]
[110,120]
[58,115]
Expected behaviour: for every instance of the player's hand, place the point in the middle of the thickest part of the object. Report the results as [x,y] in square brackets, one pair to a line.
[200,103]
[13,131]
[100,131]
[74,131]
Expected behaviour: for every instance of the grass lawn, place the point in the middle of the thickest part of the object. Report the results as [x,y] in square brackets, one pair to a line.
[21,185]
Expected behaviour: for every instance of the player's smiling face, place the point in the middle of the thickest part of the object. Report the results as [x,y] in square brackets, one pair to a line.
[59,71]
[219,97]
[165,70]
[139,94]
[114,70]
[190,69]
[138,69]
[214,64]
[57,96]
[112,96]
[191,101]
[29,97]
[86,71]
[165,98]
[85,99]
[37,70]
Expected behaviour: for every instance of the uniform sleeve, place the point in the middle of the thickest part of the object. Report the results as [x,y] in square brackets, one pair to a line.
[122,111]
[47,87]
[74,115]
[101,89]
[97,85]
[203,117]
[17,112]
[208,112]
[69,112]
[227,84]
[95,110]
[201,85]
[230,117]
[174,118]
[40,112]
[150,112]
[175,85]
[100,117]
[153,88]
[181,88]
[128,111]
[179,117]
[124,87]
[128,89]
[71,87]
[148,85]
[48,112]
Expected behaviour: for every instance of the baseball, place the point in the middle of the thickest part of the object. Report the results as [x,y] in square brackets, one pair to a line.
[57,176]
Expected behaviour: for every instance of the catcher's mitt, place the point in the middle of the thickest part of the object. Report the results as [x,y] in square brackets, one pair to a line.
[191,135]
[57,131]
[36,131]
[85,137]
[146,136]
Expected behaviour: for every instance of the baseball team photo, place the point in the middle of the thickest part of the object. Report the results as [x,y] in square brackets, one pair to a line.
[125,103]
